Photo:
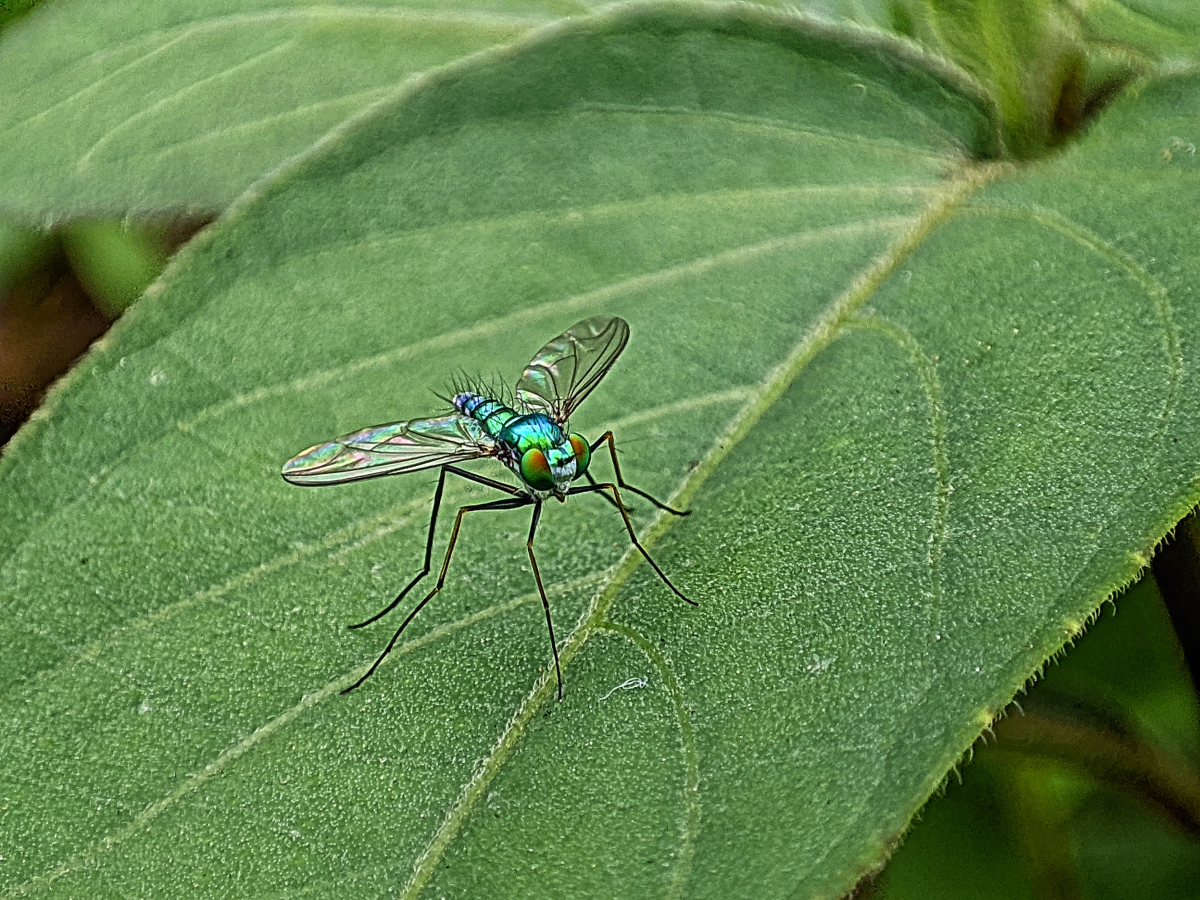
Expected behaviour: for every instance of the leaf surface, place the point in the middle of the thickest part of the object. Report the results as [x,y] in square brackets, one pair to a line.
[929,412]
[145,106]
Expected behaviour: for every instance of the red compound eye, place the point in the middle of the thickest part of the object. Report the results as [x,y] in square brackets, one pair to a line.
[583,454]
[536,470]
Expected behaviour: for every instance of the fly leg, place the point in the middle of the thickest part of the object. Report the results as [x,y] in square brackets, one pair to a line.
[616,497]
[506,503]
[612,451]
[537,576]
[592,481]
[437,504]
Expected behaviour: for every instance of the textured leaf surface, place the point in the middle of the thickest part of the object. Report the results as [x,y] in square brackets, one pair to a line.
[149,106]
[143,105]
[1159,28]
[929,412]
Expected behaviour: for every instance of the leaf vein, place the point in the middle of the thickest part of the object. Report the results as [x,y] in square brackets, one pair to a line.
[313,14]
[815,339]
[273,725]
[932,386]
[537,313]
[689,826]
[242,579]
[573,215]
[357,99]
[764,123]
[146,111]
[1155,290]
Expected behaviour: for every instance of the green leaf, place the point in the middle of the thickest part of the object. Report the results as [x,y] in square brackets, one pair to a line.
[1164,28]
[1083,814]
[1050,65]
[929,411]
[136,107]
[21,249]
[12,11]
[115,263]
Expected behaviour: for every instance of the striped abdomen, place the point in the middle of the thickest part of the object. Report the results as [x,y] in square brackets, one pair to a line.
[491,414]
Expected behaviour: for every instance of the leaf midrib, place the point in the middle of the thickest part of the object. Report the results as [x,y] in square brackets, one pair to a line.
[831,323]
[347,533]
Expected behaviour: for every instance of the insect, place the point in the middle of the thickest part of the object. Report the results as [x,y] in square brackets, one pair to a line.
[529,435]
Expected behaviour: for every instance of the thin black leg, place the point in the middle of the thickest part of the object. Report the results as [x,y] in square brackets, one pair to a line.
[537,576]
[632,537]
[484,480]
[612,451]
[592,481]
[437,503]
[507,503]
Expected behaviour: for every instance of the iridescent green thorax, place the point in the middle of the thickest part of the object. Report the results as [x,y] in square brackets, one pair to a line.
[533,445]
[535,431]
[522,433]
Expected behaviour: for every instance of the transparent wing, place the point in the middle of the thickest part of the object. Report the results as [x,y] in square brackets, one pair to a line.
[391,450]
[569,367]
